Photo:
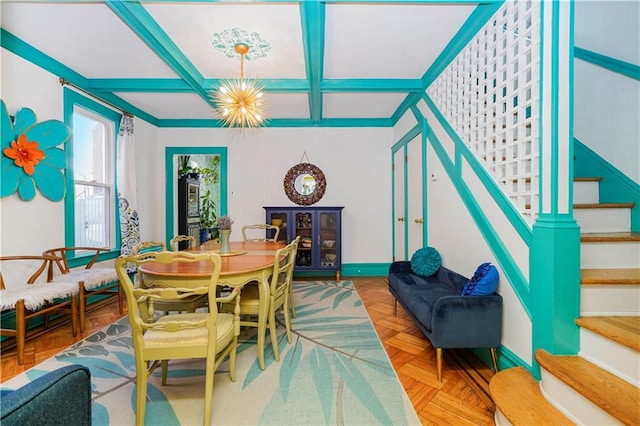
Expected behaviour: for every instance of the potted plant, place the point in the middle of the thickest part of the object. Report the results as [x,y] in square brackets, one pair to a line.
[184,167]
[207,216]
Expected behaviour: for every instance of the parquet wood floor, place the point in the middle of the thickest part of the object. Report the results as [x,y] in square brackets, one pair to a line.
[461,399]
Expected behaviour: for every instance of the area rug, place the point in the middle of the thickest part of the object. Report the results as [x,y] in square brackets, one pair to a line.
[335,372]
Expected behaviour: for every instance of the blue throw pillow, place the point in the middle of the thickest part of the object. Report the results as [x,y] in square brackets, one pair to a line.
[425,261]
[484,281]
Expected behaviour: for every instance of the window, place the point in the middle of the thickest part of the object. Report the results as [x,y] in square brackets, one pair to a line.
[91,206]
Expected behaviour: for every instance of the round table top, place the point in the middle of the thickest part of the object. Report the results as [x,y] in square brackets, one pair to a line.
[259,256]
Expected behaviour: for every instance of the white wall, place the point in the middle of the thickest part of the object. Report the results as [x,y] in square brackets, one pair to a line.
[355,163]
[606,111]
[606,104]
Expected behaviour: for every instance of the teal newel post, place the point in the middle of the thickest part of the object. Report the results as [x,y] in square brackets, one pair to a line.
[555,248]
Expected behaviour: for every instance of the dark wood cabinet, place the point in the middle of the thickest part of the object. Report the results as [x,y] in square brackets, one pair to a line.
[188,208]
[319,228]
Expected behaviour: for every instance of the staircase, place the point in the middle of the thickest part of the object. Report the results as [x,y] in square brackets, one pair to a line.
[600,385]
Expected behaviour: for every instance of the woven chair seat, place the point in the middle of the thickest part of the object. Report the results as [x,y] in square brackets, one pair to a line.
[190,336]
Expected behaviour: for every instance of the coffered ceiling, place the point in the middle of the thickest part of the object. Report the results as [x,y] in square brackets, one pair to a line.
[338,63]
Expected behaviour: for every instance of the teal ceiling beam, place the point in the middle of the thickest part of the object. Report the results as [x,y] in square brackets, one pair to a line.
[272,85]
[408,102]
[176,85]
[26,51]
[371,85]
[312,13]
[468,30]
[616,65]
[141,23]
[282,122]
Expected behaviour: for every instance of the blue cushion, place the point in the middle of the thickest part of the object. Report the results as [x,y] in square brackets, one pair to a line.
[483,282]
[426,261]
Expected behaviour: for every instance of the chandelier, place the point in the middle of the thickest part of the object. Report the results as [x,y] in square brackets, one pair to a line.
[238,101]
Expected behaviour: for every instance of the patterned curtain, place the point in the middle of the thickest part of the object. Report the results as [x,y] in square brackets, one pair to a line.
[127,195]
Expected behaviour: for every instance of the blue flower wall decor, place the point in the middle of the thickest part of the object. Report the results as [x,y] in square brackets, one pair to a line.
[30,158]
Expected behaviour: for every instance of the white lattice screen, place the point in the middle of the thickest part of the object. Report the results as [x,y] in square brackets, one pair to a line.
[490,95]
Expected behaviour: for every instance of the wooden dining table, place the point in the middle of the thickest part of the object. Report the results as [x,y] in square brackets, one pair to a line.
[249,261]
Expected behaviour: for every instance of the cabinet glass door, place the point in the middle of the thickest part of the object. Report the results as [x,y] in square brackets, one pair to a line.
[304,229]
[280,219]
[328,239]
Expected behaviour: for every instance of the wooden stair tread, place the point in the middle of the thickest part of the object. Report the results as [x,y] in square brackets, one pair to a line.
[606,390]
[623,330]
[517,395]
[604,206]
[610,276]
[588,179]
[596,237]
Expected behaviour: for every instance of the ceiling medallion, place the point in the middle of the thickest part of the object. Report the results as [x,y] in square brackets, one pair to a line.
[227,40]
[239,101]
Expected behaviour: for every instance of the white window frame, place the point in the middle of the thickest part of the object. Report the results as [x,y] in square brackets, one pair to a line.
[74,102]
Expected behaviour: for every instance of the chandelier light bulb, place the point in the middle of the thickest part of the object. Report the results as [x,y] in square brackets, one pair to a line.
[236,100]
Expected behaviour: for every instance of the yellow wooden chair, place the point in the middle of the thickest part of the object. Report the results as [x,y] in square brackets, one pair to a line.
[279,285]
[92,281]
[175,241]
[185,304]
[259,232]
[210,335]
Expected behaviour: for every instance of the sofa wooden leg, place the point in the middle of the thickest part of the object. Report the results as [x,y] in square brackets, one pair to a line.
[439,363]
[494,360]
[395,307]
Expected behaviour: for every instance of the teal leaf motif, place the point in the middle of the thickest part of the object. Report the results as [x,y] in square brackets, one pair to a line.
[339,299]
[323,381]
[290,364]
[118,329]
[35,373]
[94,350]
[330,293]
[122,342]
[99,367]
[360,386]
[127,359]
[162,412]
[99,414]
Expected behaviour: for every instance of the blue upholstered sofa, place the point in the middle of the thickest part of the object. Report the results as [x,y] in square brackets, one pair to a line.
[448,319]
[60,397]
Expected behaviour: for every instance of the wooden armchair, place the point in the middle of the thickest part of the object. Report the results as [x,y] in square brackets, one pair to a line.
[249,232]
[177,242]
[30,299]
[91,281]
[185,304]
[210,335]
[279,294]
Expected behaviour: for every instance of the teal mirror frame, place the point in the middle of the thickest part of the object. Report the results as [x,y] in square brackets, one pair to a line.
[171,179]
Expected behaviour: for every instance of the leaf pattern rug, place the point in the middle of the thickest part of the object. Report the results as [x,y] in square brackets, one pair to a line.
[335,372]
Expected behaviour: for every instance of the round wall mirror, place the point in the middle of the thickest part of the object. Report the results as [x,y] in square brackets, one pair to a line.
[304,184]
